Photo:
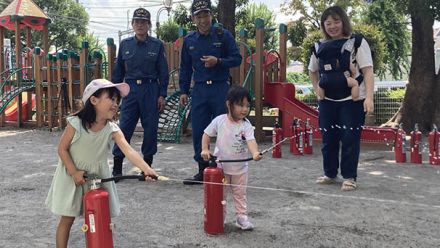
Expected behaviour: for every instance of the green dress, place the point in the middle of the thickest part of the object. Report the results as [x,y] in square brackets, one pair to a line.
[89,151]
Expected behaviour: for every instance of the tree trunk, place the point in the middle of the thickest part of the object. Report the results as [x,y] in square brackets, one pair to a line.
[226,14]
[420,103]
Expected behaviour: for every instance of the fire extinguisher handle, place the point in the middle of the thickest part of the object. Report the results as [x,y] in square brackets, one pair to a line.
[213,159]
[140,177]
[235,160]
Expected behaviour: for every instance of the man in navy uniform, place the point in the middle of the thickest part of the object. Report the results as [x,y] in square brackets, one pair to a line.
[207,54]
[142,64]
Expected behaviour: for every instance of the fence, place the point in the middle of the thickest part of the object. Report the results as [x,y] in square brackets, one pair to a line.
[387,100]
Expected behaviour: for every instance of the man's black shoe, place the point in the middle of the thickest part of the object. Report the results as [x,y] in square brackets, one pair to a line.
[197,179]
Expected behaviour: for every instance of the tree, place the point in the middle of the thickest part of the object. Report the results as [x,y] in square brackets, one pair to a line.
[168,31]
[311,10]
[296,32]
[182,16]
[392,22]
[94,42]
[421,103]
[226,14]
[68,26]
[252,12]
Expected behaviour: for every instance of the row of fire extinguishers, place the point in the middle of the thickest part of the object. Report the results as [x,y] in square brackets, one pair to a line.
[401,147]
[301,141]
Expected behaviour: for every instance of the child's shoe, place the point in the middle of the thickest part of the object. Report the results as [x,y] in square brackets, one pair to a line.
[244,223]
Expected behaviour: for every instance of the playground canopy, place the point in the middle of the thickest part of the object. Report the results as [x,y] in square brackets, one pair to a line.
[27,12]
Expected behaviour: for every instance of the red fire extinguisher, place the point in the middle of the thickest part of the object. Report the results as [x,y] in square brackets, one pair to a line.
[416,138]
[297,141]
[213,202]
[308,138]
[97,226]
[400,145]
[96,209]
[434,146]
[277,136]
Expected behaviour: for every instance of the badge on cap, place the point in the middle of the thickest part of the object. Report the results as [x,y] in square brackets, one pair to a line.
[200,5]
[142,14]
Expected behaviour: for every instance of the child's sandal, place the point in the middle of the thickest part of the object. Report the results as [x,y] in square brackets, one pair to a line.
[325,180]
[349,185]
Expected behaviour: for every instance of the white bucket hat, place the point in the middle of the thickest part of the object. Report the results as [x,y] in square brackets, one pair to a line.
[101,83]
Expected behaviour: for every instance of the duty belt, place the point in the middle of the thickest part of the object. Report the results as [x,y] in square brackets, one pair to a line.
[209,82]
[146,80]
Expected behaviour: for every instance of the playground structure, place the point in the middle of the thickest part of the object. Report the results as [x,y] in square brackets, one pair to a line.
[56,82]
[52,83]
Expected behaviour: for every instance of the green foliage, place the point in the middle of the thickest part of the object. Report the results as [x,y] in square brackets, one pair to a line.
[311,10]
[397,93]
[307,45]
[94,43]
[252,12]
[309,99]
[69,23]
[370,33]
[296,32]
[391,21]
[168,31]
[182,16]
[298,78]
[375,40]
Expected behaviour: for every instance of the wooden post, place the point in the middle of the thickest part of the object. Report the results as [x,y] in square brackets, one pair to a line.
[182,34]
[111,55]
[244,54]
[97,73]
[61,77]
[29,72]
[38,86]
[2,68]
[18,66]
[46,38]
[283,52]
[70,69]
[83,66]
[259,40]
[49,95]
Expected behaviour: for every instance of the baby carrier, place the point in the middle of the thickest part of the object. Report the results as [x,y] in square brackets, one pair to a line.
[334,65]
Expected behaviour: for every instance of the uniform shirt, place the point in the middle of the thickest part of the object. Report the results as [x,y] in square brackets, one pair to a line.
[142,60]
[363,59]
[196,45]
[231,142]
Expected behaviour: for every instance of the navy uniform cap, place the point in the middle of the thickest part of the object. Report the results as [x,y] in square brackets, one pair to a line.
[141,14]
[200,5]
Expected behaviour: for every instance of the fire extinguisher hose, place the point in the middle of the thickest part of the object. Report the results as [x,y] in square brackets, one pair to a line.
[140,177]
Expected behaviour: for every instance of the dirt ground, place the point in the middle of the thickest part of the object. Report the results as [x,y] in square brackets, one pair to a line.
[396,205]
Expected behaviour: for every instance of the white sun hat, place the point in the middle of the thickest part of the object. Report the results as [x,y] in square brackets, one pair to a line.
[102,83]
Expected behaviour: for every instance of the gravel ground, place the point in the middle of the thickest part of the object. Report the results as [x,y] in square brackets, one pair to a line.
[396,205]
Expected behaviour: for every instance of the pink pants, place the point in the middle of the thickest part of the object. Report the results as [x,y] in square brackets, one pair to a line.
[237,184]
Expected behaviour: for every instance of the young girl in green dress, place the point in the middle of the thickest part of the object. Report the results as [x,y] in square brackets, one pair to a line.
[84,147]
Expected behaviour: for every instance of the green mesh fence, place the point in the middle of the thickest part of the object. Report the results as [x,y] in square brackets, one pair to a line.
[172,119]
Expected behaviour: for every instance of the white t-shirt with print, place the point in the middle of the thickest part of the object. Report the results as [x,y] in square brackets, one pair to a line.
[363,58]
[231,142]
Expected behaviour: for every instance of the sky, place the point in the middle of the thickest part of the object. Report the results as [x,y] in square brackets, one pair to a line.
[107,17]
